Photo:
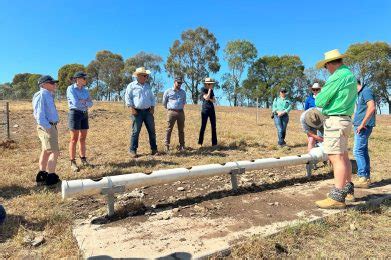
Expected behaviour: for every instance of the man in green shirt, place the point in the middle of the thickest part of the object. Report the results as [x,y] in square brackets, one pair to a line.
[281,108]
[337,99]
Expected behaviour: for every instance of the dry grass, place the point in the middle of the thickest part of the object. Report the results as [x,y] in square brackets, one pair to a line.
[32,211]
[356,234]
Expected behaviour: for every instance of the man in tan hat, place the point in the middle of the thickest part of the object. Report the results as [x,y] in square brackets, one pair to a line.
[337,100]
[141,101]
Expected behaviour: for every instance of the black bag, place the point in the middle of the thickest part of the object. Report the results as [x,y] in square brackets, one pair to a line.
[272,116]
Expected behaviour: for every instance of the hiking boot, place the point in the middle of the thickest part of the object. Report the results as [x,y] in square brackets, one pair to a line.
[74,166]
[153,152]
[181,148]
[133,154]
[52,179]
[330,203]
[84,162]
[41,177]
[362,182]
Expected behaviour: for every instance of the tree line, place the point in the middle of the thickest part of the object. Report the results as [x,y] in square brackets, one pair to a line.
[194,56]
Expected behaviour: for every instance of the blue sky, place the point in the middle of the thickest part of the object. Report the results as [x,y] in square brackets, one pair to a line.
[41,36]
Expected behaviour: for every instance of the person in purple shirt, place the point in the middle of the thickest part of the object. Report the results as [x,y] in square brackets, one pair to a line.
[79,101]
[46,116]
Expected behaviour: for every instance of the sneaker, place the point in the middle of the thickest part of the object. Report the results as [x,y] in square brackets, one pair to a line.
[84,162]
[41,177]
[133,154]
[167,148]
[74,166]
[153,152]
[350,198]
[362,182]
[329,203]
[52,179]
[181,148]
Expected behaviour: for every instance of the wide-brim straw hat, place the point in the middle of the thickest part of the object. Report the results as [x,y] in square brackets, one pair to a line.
[314,118]
[142,71]
[330,56]
[209,80]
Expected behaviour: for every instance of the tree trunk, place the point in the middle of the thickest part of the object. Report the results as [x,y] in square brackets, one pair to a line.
[194,96]
[389,107]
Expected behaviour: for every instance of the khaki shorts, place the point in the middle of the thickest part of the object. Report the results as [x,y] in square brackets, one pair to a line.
[336,134]
[49,138]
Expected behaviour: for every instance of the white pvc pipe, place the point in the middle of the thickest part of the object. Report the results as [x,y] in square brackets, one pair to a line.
[88,186]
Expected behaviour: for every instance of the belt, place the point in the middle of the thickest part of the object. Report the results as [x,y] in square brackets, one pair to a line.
[137,109]
[338,115]
[79,110]
[53,123]
[176,110]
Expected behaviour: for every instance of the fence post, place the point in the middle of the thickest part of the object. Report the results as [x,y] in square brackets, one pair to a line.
[256,111]
[7,120]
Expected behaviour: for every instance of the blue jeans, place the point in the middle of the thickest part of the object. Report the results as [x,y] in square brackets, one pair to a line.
[143,116]
[281,125]
[360,151]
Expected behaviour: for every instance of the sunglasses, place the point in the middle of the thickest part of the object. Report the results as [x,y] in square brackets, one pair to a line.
[283,91]
[144,76]
[325,65]
[316,90]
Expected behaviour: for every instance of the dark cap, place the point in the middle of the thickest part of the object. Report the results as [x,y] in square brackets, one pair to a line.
[178,79]
[46,79]
[283,90]
[80,74]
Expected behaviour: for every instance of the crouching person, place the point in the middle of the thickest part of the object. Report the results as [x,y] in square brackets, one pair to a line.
[312,123]
[46,116]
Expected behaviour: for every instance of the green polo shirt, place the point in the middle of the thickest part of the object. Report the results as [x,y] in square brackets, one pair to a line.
[282,104]
[339,94]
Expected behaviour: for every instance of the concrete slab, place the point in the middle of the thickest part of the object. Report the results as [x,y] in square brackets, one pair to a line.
[195,231]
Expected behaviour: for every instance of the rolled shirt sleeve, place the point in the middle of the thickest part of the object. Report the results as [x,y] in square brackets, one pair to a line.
[289,108]
[129,96]
[153,99]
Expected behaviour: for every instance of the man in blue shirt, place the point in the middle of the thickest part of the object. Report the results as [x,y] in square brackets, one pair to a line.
[46,116]
[79,101]
[364,121]
[141,101]
[174,100]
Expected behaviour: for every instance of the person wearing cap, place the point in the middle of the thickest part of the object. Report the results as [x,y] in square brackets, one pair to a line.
[174,100]
[364,121]
[46,116]
[337,100]
[141,101]
[310,100]
[208,111]
[79,101]
[311,121]
[280,111]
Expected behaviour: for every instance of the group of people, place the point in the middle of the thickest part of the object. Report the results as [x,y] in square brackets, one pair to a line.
[46,116]
[140,100]
[326,121]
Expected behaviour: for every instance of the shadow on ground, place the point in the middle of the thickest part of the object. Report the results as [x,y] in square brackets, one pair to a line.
[254,188]
[10,227]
